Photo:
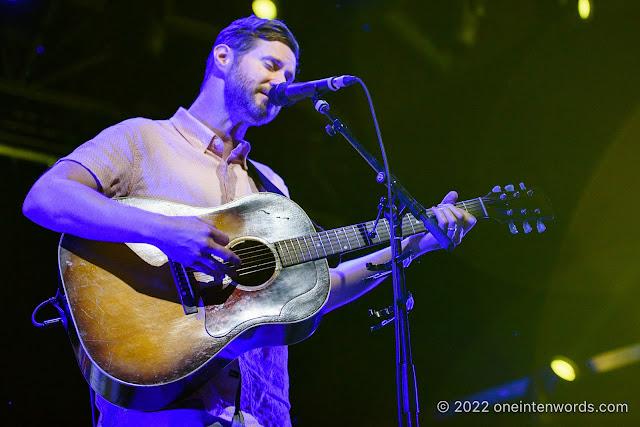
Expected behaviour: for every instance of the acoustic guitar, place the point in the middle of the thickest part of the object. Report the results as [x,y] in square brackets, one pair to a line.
[147,331]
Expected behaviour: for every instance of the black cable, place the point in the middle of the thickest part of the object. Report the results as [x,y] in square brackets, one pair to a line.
[50,322]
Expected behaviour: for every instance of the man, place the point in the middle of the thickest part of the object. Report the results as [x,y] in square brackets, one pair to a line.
[199,157]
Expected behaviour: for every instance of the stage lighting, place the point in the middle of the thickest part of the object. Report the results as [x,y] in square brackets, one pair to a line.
[264,9]
[614,359]
[584,8]
[564,368]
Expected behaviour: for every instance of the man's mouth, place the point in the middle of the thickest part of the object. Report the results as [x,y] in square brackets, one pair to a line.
[267,101]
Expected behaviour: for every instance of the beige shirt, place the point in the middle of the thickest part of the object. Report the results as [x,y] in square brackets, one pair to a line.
[180,160]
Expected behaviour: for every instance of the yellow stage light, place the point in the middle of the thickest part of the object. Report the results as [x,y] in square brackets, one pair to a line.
[264,9]
[564,368]
[584,8]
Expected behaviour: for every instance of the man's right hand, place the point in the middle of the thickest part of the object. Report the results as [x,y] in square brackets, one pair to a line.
[194,242]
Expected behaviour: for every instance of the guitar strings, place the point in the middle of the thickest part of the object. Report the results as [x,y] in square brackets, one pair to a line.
[254,257]
[355,237]
[262,253]
[475,206]
[260,258]
[351,237]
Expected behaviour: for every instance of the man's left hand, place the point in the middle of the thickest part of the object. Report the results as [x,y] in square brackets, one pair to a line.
[454,221]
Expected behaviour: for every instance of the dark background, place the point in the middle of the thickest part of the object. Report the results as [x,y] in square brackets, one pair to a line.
[469,94]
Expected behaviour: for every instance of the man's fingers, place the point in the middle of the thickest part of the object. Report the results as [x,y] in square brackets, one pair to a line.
[454,221]
[218,236]
[223,253]
[208,265]
[440,217]
[452,224]
[451,218]
[450,198]
[217,242]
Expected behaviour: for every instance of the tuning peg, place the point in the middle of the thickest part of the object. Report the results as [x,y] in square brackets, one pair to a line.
[522,187]
[540,226]
[526,227]
[512,228]
[508,188]
[496,189]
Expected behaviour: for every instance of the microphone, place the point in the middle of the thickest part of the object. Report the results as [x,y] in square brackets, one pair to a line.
[286,94]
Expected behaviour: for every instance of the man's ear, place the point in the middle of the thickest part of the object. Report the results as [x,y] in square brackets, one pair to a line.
[223,56]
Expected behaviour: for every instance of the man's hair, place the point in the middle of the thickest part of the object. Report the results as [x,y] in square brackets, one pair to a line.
[242,34]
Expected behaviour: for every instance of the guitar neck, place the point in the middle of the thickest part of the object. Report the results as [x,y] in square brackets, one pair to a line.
[358,236]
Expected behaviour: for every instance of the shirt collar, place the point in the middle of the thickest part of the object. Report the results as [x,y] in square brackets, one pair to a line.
[198,134]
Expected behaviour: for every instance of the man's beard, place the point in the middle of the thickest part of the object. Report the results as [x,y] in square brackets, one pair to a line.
[240,100]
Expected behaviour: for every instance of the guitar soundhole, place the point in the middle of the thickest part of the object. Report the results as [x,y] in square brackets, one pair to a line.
[258,264]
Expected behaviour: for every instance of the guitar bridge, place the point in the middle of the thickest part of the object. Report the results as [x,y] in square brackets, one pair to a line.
[185,290]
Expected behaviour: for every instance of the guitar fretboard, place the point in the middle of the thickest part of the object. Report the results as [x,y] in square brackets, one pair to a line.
[353,237]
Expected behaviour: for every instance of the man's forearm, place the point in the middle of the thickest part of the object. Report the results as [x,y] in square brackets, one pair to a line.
[71,207]
[347,280]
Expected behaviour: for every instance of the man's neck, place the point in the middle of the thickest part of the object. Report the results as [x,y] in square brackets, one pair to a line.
[212,112]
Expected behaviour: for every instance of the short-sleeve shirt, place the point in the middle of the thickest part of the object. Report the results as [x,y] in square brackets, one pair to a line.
[180,160]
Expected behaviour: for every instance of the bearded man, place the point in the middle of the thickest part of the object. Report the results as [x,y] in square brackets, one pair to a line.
[198,157]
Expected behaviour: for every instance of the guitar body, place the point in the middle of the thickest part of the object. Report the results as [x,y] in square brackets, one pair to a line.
[133,341]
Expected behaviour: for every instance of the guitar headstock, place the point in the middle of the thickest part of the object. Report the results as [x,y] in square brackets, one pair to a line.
[527,207]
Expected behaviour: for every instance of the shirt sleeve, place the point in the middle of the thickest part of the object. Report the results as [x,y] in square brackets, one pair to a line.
[111,157]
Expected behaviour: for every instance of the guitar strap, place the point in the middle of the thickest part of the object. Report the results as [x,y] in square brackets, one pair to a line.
[261,180]
[238,417]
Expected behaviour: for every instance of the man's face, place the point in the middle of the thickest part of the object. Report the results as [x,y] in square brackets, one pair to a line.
[251,77]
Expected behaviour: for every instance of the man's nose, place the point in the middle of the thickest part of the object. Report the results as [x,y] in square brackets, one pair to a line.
[278,78]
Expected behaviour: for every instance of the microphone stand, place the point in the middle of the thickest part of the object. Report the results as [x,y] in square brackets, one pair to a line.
[407,388]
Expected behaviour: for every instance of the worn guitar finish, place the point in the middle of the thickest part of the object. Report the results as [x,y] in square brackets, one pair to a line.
[132,339]
[142,344]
